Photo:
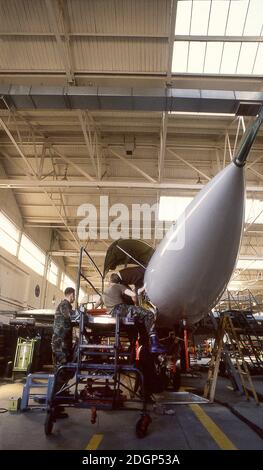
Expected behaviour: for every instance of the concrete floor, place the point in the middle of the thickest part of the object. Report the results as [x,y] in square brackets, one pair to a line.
[198,427]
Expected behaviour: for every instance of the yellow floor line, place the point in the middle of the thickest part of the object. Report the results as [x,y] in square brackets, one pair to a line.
[219,437]
[94,442]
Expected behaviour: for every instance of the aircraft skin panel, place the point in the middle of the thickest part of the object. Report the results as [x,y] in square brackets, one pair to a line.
[192,266]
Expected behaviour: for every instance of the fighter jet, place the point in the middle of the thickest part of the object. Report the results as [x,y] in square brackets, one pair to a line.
[185,280]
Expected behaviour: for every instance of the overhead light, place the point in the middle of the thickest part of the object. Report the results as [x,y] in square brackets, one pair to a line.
[250,263]
[171,207]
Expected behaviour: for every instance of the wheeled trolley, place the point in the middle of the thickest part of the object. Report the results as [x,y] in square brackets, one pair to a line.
[104,369]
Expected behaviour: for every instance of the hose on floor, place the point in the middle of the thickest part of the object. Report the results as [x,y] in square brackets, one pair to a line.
[3,410]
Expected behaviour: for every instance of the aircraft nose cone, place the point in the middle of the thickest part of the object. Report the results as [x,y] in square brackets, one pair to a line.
[194,262]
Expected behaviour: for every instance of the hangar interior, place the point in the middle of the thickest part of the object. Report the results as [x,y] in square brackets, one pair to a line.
[133,102]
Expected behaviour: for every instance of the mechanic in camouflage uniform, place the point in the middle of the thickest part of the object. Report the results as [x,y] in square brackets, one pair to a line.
[113,299]
[62,336]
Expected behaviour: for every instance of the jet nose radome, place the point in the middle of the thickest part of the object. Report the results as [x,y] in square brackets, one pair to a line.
[194,262]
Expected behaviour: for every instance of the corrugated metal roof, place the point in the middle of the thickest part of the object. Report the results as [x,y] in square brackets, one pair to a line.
[120,55]
[20,52]
[27,53]
[120,16]
[19,16]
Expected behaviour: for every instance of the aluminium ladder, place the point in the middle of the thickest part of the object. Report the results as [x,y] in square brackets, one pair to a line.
[226,327]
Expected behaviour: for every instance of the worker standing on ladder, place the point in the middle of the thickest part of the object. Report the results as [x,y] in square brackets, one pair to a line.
[62,338]
[113,300]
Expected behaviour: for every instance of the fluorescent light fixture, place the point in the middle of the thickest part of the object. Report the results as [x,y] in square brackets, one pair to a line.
[244,263]
[250,264]
[171,207]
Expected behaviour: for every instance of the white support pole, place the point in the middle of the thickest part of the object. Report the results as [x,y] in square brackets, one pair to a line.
[88,140]
[36,180]
[131,165]
[50,4]
[163,135]
[188,164]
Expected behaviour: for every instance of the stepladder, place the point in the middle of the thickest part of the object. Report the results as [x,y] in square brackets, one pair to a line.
[228,343]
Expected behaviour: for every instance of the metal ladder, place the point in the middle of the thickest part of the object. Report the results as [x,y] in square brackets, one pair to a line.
[226,327]
[91,367]
[32,382]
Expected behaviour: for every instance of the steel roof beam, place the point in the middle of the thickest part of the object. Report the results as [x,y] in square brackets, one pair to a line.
[27,183]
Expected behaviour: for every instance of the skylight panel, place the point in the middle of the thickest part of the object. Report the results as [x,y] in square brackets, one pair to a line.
[213,57]
[230,57]
[180,54]
[200,16]
[254,20]
[196,57]
[237,17]
[183,17]
[247,58]
[218,18]
[258,67]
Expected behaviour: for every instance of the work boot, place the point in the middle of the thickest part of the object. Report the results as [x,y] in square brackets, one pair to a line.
[59,413]
[155,346]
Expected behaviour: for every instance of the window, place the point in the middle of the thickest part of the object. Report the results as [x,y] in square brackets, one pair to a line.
[218,37]
[31,255]
[82,294]
[9,235]
[66,282]
[52,274]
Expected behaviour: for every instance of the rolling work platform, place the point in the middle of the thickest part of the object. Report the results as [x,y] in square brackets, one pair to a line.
[100,374]
[103,369]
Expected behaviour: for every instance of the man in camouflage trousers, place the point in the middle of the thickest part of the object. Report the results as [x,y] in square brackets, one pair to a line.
[62,337]
[113,300]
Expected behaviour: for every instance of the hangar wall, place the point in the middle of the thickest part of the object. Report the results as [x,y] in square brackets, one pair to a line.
[18,284]
[17,281]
